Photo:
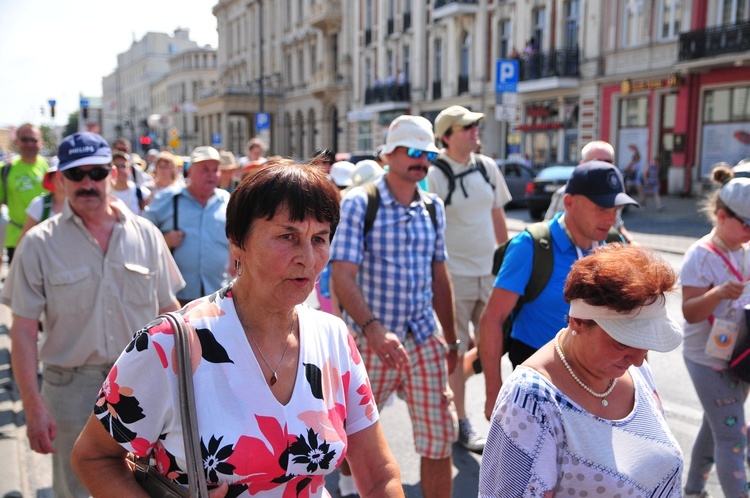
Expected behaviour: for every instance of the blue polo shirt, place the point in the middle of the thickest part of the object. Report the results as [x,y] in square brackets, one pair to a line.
[203,256]
[538,321]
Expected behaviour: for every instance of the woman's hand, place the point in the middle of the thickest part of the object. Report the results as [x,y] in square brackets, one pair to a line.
[731,289]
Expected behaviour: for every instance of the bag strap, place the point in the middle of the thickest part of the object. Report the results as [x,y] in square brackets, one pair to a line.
[4,172]
[711,247]
[175,203]
[191,438]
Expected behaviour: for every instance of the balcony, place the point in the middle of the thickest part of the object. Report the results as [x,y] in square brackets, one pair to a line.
[557,63]
[390,92]
[447,8]
[437,90]
[719,40]
[323,83]
[407,21]
[463,83]
[325,15]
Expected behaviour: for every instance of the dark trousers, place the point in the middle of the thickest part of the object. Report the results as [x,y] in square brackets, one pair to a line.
[518,352]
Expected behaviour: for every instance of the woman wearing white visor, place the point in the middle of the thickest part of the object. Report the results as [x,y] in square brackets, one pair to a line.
[581,417]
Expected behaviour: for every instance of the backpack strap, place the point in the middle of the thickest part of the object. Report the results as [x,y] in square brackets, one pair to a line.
[373,203]
[139,196]
[482,167]
[543,262]
[443,166]
[46,206]
[175,203]
[4,172]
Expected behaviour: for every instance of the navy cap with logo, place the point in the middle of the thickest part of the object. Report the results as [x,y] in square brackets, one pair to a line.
[82,149]
[600,182]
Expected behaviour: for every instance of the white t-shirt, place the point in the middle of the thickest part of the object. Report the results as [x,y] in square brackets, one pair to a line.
[36,207]
[703,268]
[469,229]
[130,198]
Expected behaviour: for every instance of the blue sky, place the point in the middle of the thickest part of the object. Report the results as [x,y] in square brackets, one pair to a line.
[58,49]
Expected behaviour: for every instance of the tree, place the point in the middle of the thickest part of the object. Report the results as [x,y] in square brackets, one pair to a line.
[50,138]
[72,125]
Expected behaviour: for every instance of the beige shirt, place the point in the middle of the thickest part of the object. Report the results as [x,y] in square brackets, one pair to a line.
[93,302]
[469,229]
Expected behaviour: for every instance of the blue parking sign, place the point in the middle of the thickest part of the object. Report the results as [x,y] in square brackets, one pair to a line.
[262,121]
[216,138]
[506,76]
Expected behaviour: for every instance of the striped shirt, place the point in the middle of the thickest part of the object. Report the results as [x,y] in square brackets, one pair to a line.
[395,263]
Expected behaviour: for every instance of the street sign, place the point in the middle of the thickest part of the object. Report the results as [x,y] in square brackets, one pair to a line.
[262,122]
[84,103]
[506,76]
[505,112]
[215,138]
[174,143]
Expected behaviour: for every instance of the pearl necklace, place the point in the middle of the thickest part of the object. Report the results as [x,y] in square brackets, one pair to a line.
[603,395]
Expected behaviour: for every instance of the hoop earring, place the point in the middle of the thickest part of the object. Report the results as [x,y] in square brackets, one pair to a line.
[238,267]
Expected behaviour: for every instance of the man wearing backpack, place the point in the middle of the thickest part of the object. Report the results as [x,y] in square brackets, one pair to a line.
[22,181]
[474,193]
[392,281]
[593,195]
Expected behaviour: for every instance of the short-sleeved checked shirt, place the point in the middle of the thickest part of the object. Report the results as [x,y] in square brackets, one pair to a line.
[395,267]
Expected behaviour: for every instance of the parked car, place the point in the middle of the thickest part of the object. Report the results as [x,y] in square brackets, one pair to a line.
[539,191]
[517,175]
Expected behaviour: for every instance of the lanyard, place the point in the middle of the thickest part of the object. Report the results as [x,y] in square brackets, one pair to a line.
[715,250]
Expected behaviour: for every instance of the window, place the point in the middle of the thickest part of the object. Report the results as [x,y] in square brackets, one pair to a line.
[300,66]
[465,57]
[364,136]
[313,58]
[389,63]
[726,105]
[731,11]
[438,60]
[670,14]
[572,13]
[368,14]
[633,19]
[406,66]
[368,73]
[334,40]
[504,35]
[634,112]
[539,18]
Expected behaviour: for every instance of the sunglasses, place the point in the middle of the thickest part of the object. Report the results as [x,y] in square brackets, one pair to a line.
[28,140]
[744,224]
[470,125]
[417,153]
[78,174]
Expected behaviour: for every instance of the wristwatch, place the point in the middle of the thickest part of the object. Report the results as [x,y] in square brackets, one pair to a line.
[454,346]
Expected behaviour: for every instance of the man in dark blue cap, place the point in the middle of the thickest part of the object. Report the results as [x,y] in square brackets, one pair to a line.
[593,195]
[97,273]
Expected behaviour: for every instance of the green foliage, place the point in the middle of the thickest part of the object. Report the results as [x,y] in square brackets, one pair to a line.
[72,125]
[50,138]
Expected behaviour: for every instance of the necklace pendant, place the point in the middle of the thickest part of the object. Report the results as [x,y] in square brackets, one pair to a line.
[273,379]
[605,402]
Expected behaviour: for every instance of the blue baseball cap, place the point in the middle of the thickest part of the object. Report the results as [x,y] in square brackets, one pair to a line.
[82,149]
[601,183]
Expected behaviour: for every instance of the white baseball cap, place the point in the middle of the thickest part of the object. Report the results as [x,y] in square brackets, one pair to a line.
[736,196]
[412,132]
[341,173]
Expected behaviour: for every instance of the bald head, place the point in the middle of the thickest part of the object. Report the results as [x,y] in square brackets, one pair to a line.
[599,150]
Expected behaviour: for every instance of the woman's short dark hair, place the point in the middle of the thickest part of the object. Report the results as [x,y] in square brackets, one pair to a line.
[620,277]
[301,188]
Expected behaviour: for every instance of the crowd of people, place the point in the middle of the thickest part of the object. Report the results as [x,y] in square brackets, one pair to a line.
[399,252]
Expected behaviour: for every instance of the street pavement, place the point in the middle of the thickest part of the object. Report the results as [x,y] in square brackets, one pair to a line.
[26,474]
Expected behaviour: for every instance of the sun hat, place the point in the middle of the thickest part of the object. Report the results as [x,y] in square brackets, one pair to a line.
[454,115]
[412,132]
[204,153]
[83,149]
[736,196]
[227,161]
[601,182]
[53,162]
[341,173]
[365,171]
[648,327]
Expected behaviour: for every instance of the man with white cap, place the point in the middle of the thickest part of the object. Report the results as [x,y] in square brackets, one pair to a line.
[593,195]
[193,221]
[474,193]
[97,273]
[391,282]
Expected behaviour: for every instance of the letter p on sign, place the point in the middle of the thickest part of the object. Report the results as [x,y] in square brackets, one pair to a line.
[506,76]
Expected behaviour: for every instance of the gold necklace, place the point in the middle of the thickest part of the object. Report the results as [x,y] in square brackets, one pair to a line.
[602,396]
[274,378]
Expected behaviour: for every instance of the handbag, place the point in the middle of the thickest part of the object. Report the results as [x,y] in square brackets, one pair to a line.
[739,364]
[154,483]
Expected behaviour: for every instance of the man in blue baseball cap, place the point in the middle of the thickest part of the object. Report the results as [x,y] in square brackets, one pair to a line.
[97,273]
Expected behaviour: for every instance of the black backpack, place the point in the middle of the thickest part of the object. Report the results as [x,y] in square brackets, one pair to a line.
[541,268]
[479,165]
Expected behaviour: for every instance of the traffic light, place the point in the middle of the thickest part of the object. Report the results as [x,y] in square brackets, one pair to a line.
[145,142]
[85,112]
[52,111]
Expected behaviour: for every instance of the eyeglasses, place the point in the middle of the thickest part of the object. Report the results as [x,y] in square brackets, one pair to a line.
[417,153]
[28,140]
[734,215]
[78,174]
